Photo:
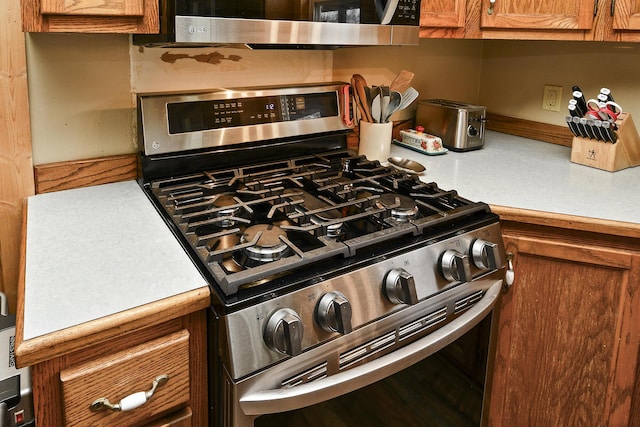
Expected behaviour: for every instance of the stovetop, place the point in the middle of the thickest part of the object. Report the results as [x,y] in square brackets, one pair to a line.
[261,190]
[252,226]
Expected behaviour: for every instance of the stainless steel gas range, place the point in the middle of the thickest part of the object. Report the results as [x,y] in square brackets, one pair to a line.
[328,271]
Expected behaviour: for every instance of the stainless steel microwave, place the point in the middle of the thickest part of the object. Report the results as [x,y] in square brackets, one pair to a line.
[286,23]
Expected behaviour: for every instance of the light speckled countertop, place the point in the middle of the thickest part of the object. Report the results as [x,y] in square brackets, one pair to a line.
[96,251]
[526,174]
[92,252]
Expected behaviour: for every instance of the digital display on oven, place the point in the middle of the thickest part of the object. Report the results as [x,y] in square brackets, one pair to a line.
[225,113]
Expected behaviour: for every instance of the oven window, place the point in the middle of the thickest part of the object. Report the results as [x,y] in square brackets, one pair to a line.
[443,390]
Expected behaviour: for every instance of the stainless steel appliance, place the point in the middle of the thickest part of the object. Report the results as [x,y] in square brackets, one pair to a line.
[329,272]
[16,397]
[286,24]
[460,125]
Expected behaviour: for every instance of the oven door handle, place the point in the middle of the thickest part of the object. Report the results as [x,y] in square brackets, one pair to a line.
[291,398]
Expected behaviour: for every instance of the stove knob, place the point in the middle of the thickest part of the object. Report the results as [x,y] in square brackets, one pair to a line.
[334,313]
[400,288]
[455,266]
[283,332]
[484,254]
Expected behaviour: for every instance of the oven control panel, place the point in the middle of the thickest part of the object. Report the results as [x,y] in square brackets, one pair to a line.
[194,116]
[181,122]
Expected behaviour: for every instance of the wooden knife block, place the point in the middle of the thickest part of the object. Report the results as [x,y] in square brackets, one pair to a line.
[623,154]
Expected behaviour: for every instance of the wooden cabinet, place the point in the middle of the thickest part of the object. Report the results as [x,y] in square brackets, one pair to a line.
[507,19]
[569,330]
[65,387]
[555,19]
[626,15]
[593,20]
[160,366]
[626,20]
[88,16]
[443,18]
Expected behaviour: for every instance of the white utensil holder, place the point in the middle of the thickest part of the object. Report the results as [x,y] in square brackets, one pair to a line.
[375,140]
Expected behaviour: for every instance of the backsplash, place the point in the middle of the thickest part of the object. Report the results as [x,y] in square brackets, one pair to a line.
[81,86]
[514,74]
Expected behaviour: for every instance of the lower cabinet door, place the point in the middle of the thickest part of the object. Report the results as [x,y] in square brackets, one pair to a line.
[131,387]
[569,336]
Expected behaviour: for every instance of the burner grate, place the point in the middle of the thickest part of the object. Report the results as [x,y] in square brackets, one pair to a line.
[327,205]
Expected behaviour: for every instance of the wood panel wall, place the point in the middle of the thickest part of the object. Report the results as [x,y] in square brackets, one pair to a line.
[16,166]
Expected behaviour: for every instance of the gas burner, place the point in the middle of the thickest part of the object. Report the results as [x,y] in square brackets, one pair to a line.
[333,230]
[227,215]
[265,244]
[403,208]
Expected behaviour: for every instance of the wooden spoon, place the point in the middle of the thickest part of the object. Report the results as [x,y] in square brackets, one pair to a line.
[359,87]
[402,81]
[358,101]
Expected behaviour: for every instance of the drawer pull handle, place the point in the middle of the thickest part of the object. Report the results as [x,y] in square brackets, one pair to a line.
[132,401]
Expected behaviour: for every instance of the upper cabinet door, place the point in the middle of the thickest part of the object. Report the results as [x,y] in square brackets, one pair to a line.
[91,16]
[93,7]
[443,13]
[560,15]
[626,15]
[443,18]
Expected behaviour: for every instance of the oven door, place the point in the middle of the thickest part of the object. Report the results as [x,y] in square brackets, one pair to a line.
[449,364]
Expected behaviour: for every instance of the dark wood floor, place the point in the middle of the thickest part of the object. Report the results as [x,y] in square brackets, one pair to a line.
[432,393]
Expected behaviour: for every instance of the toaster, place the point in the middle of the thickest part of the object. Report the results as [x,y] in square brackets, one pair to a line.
[461,126]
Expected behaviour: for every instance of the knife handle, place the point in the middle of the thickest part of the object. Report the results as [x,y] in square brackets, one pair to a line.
[581,103]
[573,110]
[576,122]
[609,128]
[607,92]
[589,131]
[572,126]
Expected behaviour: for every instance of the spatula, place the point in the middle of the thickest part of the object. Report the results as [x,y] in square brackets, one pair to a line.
[402,81]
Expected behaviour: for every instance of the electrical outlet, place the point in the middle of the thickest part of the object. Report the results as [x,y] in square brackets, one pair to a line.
[551,98]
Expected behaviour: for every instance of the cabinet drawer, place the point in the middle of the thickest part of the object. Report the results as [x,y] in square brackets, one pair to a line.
[182,418]
[122,374]
[93,7]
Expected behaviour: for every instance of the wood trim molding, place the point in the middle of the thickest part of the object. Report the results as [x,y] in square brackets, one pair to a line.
[569,222]
[55,344]
[33,20]
[554,134]
[16,165]
[84,173]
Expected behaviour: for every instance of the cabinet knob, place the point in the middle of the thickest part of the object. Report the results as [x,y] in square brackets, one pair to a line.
[130,402]
[509,276]
[491,4]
